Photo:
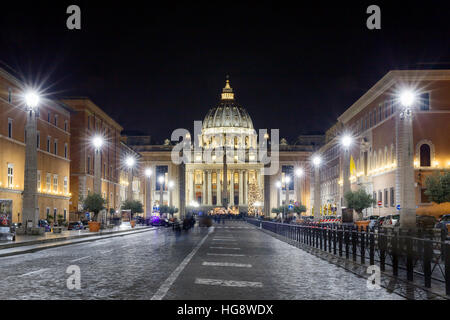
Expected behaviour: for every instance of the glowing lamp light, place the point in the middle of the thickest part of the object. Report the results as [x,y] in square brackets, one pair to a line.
[346,141]
[161,179]
[287,179]
[299,172]
[148,172]
[97,141]
[130,161]
[316,160]
[278,184]
[407,98]
[31,99]
[171,184]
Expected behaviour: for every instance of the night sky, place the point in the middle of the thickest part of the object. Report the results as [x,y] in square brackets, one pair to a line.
[155,68]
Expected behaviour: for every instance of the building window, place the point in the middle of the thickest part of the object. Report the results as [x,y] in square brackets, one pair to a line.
[110,172]
[10,127]
[88,164]
[9,95]
[104,170]
[386,198]
[47,212]
[370,119]
[380,196]
[48,182]
[38,180]
[65,214]
[386,109]
[425,101]
[163,171]
[56,120]
[423,197]
[392,197]
[66,186]
[10,175]
[288,171]
[48,116]
[65,125]
[65,150]
[425,159]
[55,213]
[375,116]
[55,183]
[55,146]
[38,140]
[48,143]
[380,112]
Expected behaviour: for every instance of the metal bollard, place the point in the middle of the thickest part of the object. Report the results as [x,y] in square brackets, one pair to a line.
[354,240]
[346,241]
[409,259]
[447,267]
[330,235]
[394,255]
[340,234]
[382,247]
[323,235]
[334,240]
[363,248]
[372,248]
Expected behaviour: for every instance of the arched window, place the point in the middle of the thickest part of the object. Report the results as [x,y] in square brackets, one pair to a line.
[425,157]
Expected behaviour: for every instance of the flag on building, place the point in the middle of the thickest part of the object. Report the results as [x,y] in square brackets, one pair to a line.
[352,166]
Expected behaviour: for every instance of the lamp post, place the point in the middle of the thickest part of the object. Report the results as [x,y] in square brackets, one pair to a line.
[346,141]
[299,172]
[161,184]
[278,186]
[97,142]
[287,181]
[170,186]
[404,175]
[316,160]
[148,193]
[130,162]
[30,216]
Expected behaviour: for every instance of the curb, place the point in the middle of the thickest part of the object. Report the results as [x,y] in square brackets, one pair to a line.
[33,242]
[111,235]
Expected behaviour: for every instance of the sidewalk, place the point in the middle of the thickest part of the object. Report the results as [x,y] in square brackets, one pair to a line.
[28,243]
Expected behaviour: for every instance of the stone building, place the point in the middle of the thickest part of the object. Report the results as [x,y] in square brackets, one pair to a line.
[53,156]
[381,141]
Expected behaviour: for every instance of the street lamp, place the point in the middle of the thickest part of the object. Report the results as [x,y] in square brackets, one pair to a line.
[161,180]
[170,186]
[404,175]
[148,193]
[278,185]
[287,181]
[30,209]
[346,141]
[316,160]
[97,141]
[299,172]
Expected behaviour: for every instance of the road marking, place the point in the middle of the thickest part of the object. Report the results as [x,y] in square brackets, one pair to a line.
[226,254]
[228,283]
[33,272]
[226,264]
[107,251]
[224,240]
[164,288]
[79,259]
[225,248]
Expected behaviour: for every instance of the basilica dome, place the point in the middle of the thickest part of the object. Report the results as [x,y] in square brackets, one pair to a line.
[228,121]
[228,113]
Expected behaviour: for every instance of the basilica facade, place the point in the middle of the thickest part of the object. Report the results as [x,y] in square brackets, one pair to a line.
[226,164]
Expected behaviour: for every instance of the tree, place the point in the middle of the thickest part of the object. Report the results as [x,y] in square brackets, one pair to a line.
[60,219]
[94,203]
[299,209]
[276,210]
[134,205]
[359,200]
[438,187]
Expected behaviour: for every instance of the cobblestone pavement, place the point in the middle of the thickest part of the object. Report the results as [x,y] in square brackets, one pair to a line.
[234,261]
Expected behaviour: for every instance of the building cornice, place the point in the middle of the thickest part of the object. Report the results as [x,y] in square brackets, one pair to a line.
[392,77]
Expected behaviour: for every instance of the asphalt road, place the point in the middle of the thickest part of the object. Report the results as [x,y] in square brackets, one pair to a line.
[232,261]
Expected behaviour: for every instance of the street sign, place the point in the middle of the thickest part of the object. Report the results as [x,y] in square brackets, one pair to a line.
[291,206]
[398,207]
[379,203]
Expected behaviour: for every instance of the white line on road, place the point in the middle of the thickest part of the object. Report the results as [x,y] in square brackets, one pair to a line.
[164,288]
[107,251]
[226,254]
[33,272]
[228,283]
[226,264]
[224,240]
[225,248]
[79,259]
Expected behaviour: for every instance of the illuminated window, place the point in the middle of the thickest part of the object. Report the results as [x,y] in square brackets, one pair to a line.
[48,182]
[425,158]
[65,150]
[66,186]
[424,100]
[38,185]
[55,146]
[10,175]
[48,143]
[55,183]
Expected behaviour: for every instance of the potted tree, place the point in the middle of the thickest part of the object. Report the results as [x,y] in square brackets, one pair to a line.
[358,201]
[94,203]
[135,206]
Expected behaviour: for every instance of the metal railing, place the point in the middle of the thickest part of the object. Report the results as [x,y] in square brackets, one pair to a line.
[402,253]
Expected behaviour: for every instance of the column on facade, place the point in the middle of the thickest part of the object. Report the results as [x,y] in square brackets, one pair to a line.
[345,174]
[209,188]
[204,187]
[317,193]
[231,188]
[258,178]
[241,188]
[245,183]
[218,189]
[191,186]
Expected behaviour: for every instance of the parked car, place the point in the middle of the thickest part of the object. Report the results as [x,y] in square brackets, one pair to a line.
[379,222]
[391,220]
[75,225]
[44,224]
[426,222]
[443,222]
[140,220]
